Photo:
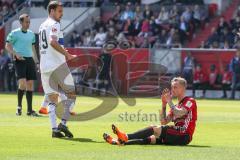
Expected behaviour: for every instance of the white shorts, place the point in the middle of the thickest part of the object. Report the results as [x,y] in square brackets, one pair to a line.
[57,81]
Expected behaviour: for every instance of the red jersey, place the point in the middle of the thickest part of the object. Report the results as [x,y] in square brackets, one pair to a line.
[227,76]
[199,77]
[187,122]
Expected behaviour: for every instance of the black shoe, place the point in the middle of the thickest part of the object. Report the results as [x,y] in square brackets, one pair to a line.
[65,130]
[19,111]
[33,114]
[57,134]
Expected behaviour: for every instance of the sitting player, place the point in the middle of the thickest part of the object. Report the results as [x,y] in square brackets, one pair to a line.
[184,116]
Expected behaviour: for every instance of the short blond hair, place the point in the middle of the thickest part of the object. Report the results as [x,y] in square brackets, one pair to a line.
[182,81]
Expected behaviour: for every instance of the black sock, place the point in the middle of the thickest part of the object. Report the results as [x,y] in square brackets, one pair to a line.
[20,94]
[29,100]
[142,134]
[139,141]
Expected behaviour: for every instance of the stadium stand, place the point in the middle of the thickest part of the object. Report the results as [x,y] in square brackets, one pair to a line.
[149,36]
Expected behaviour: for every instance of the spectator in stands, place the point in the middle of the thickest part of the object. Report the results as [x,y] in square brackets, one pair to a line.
[174,15]
[183,29]
[199,80]
[235,69]
[173,39]
[188,67]
[128,27]
[136,26]
[197,15]
[226,80]
[87,38]
[163,16]
[117,13]
[226,37]
[127,13]
[98,23]
[187,14]
[162,39]
[100,37]
[235,23]
[74,39]
[111,35]
[110,23]
[144,28]
[213,38]
[138,12]
[147,13]
[222,25]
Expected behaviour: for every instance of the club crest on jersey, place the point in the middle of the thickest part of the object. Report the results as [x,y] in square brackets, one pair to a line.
[54,29]
[189,104]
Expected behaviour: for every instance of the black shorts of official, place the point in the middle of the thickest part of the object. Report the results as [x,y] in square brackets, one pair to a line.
[25,69]
[171,136]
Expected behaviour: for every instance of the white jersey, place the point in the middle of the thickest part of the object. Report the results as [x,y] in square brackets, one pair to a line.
[50,58]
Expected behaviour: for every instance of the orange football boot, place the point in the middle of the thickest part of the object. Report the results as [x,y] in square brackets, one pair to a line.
[43,110]
[109,139]
[122,137]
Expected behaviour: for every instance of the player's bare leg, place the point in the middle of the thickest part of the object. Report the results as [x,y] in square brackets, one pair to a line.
[53,99]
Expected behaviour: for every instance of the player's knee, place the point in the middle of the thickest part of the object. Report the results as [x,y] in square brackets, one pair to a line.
[53,98]
[152,139]
[71,95]
[22,84]
[29,85]
[157,131]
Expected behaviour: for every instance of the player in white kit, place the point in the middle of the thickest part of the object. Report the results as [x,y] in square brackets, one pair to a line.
[55,73]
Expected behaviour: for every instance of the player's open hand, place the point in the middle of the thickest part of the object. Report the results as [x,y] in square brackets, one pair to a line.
[17,57]
[70,56]
[164,101]
[166,95]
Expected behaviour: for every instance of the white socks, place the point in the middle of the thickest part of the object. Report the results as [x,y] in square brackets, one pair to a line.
[52,115]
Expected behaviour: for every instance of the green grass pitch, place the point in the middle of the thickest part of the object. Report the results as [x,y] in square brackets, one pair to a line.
[217,135]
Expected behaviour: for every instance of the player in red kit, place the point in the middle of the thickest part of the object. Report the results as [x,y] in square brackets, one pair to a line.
[183,115]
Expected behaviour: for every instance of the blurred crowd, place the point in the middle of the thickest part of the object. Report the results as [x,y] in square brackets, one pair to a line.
[8,8]
[225,35]
[143,26]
